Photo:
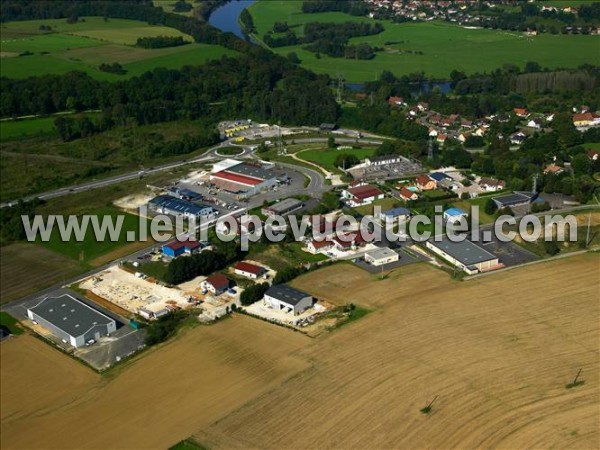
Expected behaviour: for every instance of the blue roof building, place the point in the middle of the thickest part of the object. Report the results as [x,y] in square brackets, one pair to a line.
[439,176]
[165,204]
[454,214]
[394,213]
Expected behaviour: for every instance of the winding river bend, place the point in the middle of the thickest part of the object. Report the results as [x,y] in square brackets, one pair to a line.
[226,17]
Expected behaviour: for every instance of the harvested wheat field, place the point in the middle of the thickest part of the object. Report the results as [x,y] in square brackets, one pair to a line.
[50,401]
[496,351]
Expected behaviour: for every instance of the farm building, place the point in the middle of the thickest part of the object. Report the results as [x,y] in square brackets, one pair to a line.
[287,299]
[362,195]
[216,284]
[248,270]
[517,198]
[283,207]
[71,320]
[454,214]
[178,248]
[241,177]
[165,204]
[381,256]
[465,255]
[395,214]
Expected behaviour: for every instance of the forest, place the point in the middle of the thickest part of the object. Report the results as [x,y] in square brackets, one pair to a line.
[161,41]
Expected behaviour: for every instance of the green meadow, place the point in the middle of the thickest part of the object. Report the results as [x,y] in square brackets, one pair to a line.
[326,158]
[85,45]
[14,129]
[444,46]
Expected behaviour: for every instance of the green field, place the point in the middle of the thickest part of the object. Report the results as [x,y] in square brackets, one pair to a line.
[10,322]
[326,157]
[592,146]
[445,46]
[90,248]
[14,129]
[85,45]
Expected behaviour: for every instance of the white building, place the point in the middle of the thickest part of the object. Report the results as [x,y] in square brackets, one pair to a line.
[71,320]
[287,299]
[381,256]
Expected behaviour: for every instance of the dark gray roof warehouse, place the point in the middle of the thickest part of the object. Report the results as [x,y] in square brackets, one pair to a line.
[70,318]
[286,294]
[466,251]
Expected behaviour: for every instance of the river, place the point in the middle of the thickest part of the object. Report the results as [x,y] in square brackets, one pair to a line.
[226,17]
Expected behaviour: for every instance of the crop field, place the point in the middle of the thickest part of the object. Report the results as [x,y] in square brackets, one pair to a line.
[498,361]
[326,157]
[204,374]
[444,46]
[86,44]
[27,268]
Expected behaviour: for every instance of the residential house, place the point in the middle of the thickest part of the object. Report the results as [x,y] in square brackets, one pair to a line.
[362,195]
[248,270]
[319,245]
[517,138]
[396,101]
[216,284]
[425,183]
[584,119]
[521,112]
[441,139]
[395,214]
[535,124]
[593,155]
[407,194]
[492,184]
[554,169]
[423,106]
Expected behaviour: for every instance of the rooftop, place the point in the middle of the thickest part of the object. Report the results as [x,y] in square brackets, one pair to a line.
[363,192]
[465,251]
[381,253]
[250,268]
[286,294]
[176,245]
[218,281]
[455,212]
[70,314]
[250,170]
[178,205]
[395,212]
[285,205]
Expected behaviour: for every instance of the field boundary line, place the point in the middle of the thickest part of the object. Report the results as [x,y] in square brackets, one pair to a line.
[539,261]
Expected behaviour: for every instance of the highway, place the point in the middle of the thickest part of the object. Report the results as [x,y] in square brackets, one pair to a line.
[211,153]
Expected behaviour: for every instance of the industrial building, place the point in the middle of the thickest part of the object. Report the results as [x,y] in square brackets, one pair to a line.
[454,215]
[178,248]
[517,198]
[381,256]
[283,207]
[165,204]
[465,255]
[71,320]
[242,178]
[287,299]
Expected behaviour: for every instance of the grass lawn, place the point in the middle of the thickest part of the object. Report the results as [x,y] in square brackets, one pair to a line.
[10,322]
[592,146]
[480,202]
[326,157]
[444,46]
[230,151]
[154,269]
[90,248]
[14,129]
[85,45]
[385,203]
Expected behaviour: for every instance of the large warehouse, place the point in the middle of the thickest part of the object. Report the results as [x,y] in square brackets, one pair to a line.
[465,255]
[165,204]
[71,319]
[241,178]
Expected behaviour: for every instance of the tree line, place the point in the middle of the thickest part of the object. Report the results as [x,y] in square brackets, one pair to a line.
[354,8]
[160,41]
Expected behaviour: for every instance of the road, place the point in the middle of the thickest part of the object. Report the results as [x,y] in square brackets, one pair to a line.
[211,153]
